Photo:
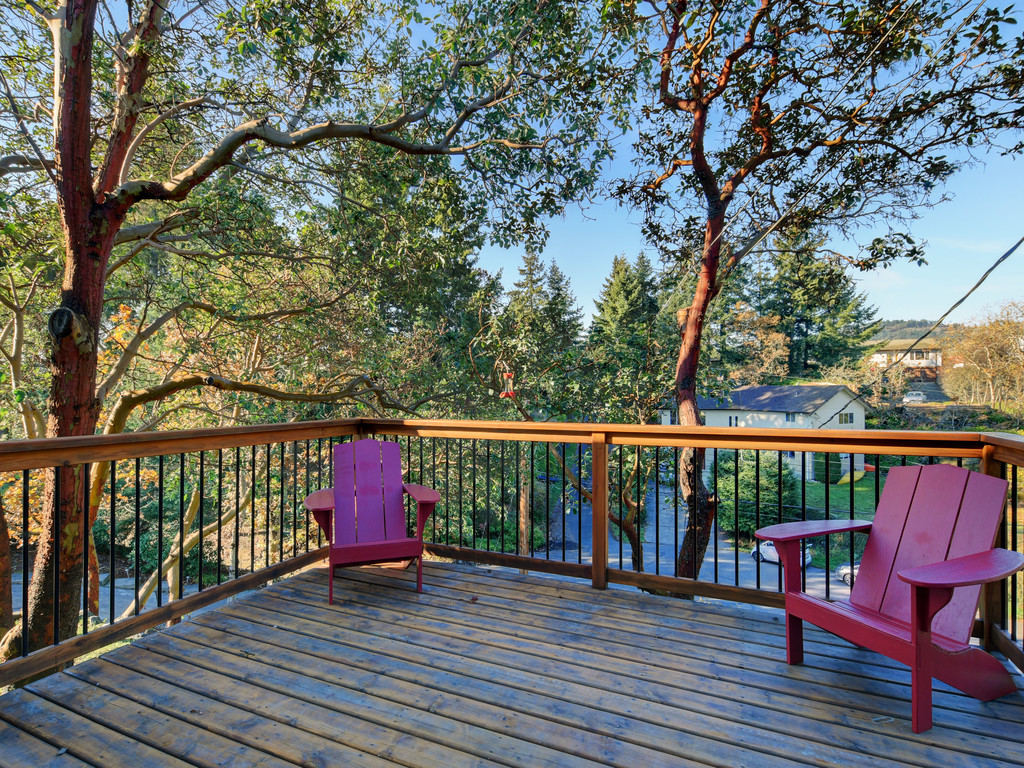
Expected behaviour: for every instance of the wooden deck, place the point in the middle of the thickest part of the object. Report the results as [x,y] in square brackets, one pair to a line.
[489,668]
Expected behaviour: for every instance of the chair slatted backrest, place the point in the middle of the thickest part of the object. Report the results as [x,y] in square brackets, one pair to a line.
[368,492]
[926,515]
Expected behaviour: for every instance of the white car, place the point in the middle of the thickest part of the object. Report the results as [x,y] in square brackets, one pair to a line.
[914,396]
[846,574]
[765,551]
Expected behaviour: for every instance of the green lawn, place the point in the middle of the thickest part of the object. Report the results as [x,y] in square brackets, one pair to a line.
[839,498]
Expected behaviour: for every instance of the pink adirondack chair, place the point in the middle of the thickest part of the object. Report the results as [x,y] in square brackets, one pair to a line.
[928,552]
[368,505]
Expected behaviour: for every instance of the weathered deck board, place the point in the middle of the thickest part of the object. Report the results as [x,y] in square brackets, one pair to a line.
[489,667]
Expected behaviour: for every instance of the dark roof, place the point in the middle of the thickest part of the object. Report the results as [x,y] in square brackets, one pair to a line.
[791,398]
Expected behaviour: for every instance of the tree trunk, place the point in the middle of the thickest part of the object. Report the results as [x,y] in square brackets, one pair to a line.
[90,221]
[699,503]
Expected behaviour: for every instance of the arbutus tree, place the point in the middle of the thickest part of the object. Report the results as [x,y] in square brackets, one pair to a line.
[129,114]
[786,116]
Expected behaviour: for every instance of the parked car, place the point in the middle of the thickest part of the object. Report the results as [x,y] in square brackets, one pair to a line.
[847,573]
[765,551]
[914,396]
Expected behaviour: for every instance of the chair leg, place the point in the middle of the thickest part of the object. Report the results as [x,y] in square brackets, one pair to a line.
[920,699]
[794,639]
[419,573]
[330,584]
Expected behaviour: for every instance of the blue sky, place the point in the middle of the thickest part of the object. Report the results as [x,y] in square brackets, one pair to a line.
[964,237]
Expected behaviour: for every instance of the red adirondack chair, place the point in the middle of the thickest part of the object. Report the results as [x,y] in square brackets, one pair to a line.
[915,596]
[369,513]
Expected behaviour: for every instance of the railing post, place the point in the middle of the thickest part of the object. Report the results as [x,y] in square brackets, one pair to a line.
[599,509]
[993,596]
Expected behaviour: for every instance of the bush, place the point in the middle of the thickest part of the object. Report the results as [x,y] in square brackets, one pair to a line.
[743,515]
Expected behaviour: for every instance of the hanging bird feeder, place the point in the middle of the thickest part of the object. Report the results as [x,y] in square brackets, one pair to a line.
[507,378]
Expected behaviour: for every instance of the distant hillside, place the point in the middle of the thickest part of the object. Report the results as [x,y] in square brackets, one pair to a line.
[907,329]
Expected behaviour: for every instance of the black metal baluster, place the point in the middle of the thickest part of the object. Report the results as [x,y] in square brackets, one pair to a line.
[1013,546]
[462,511]
[57,557]
[501,494]
[220,512]
[547,500]
[138,533]
[757,502]
[675,512]
[531,496]
[618,493]
[86,528]
[579,511]
[657,511]
[24,561]
[473,510]
[181,525]
[563,501]
[159,530]
[113,513]
[266,527]
[778,491]
[736,520]
[519,500]
[853,502]
[236,536]
[252,513]
[295,498]
[828,513]
[202,521]
[487,499]
[803,507]
[714,525]
[305,515]
[281,495]
[447,495]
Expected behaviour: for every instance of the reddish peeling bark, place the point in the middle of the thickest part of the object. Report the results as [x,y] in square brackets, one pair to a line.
[699,502]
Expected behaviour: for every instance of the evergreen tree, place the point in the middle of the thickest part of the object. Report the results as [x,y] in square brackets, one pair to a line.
[818,306]
[623,341]
[563,315]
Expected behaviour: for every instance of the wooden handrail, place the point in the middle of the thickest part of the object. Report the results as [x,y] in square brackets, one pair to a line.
[885,442]
[65,451]
[51,452]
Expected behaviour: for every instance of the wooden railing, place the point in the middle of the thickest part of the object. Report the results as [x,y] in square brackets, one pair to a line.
[513,474]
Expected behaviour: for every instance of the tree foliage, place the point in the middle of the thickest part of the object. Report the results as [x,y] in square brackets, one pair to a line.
[183,149]
[753,491]
[784,115]
[983,363]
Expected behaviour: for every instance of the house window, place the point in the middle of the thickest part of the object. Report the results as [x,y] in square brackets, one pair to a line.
[790,418]
[846,418]
[734,421]
[917,354]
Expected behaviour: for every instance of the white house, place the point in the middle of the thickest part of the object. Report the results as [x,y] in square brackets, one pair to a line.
[923,362]
[796,406]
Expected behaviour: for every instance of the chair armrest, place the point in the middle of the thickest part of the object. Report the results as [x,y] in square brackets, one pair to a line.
[321,504]
[980,568]
[802,529]
[320,501]
[425,499]
[421,494]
